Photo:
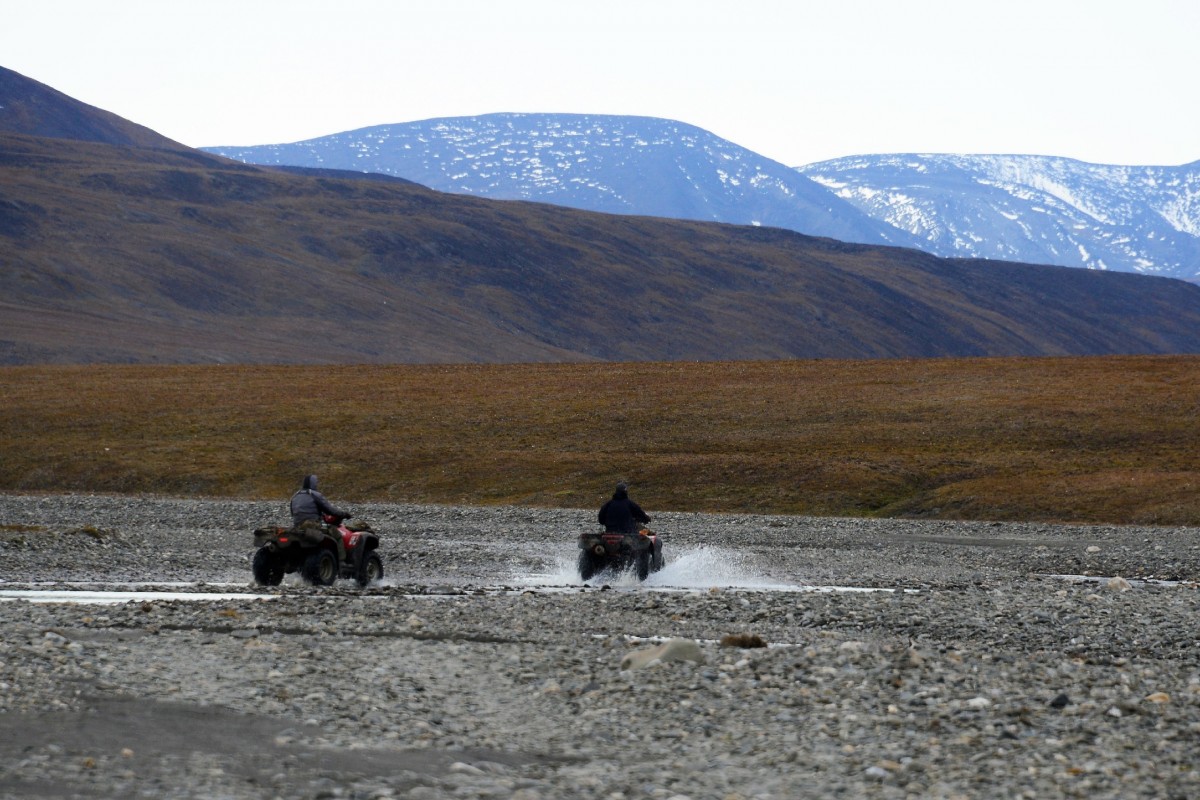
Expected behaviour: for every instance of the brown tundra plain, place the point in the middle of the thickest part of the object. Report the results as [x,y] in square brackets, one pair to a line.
[1081,439]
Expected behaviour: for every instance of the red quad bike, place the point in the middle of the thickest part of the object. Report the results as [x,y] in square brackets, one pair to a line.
[320,553]
[619,551]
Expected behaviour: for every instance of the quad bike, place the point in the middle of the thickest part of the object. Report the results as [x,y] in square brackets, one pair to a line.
[620,551]
[321,553]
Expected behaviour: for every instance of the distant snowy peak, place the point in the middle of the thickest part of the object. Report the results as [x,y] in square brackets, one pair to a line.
[612,164]
[527,156]
[516,156]
[1031,208]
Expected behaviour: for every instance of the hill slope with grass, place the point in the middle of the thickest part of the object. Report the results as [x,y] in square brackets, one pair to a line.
[34,109]
[120,254]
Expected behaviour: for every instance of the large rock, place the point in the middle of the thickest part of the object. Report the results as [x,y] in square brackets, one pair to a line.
[670,650]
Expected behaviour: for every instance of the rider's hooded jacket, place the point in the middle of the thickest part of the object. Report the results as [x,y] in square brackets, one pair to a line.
[620,514]
[308,503]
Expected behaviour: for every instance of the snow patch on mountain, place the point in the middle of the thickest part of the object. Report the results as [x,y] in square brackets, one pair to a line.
[610,164]
[1038,209]
[1035,209]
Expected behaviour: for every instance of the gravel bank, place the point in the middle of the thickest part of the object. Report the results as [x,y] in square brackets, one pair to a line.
[480,668]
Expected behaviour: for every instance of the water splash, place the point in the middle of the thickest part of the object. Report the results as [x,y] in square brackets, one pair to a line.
[691,568]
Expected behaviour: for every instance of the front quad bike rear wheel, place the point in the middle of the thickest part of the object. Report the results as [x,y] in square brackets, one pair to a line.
[589,565]
[321,568]
[268,570]
[641,564]
[370,570]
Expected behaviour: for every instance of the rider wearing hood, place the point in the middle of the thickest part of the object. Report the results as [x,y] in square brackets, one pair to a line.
[620,514]
[309,504]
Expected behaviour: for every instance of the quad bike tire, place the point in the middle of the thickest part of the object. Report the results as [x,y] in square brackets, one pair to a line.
[641,564]
[267,569]
[370,570]
[589,565]
[320,568]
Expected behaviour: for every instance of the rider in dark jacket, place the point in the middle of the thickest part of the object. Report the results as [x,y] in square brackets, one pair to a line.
[620,514]
[308,503]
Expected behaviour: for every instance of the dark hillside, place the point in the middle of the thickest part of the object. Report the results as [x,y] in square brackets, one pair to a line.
[31,108]
[120,254]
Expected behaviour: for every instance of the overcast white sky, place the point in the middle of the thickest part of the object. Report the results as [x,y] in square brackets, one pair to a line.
[1109,81]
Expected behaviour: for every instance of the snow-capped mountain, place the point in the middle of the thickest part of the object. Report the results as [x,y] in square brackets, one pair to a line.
[612,164]
[1032,209]
[1035,209]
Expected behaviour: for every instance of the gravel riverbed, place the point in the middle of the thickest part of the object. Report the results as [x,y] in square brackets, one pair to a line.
[899,659]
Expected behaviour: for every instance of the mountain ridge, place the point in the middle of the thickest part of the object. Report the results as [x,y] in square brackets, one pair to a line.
[645,166]
[34,109]
[656,167]
[1040,209]
[128,255]
[113,252]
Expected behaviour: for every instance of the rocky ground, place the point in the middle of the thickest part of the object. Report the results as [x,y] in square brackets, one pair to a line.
[481,668]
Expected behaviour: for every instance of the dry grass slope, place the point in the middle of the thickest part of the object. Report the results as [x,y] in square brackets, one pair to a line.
[1104,439]
[154,256]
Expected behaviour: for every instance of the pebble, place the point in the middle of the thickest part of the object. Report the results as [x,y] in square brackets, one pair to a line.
[480,668]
